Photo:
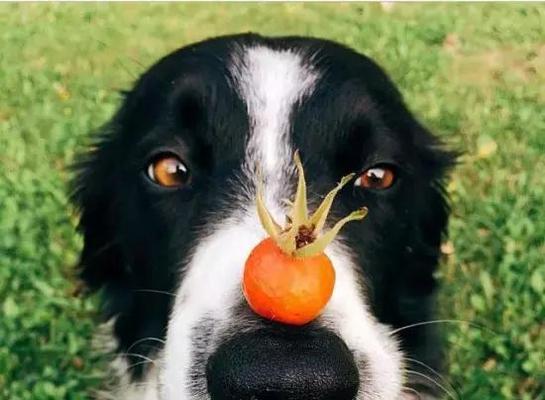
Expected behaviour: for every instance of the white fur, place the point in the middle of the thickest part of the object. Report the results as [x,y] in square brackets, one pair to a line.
[270,82]
[348,315]
[127,390]
[210,287]
[118,385]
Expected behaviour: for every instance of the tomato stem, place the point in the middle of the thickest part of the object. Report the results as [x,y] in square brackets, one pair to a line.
[302,236]
[305,236]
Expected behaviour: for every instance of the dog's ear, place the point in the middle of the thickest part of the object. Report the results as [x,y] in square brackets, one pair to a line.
[432,208]
[102,265]
[416,283]
[435,161]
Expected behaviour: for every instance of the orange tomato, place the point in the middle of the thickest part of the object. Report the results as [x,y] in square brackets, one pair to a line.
[284,288]
[287,277]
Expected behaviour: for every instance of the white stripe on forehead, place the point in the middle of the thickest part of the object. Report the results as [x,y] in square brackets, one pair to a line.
[270,82]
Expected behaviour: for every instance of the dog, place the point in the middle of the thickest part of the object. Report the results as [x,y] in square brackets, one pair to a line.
[167,202]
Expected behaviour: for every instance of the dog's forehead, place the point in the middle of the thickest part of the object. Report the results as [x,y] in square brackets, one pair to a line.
[271,82]
[264,97]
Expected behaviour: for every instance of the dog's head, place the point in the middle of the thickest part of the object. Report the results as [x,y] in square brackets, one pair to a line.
[169,218]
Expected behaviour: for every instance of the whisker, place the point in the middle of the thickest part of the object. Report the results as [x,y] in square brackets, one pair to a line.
[413,391]
[447,392]
[136,355]
[433,371]
[146,339]
[155,291]
[134,365]
[443,321]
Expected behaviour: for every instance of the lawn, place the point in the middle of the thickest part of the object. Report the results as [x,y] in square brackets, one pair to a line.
[475,74]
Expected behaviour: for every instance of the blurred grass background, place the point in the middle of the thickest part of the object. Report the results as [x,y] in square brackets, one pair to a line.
[474,73]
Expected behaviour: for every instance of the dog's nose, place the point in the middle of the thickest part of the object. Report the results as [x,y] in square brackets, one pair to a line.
[283,366]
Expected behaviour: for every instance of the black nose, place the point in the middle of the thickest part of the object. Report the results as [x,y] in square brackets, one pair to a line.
[283,366]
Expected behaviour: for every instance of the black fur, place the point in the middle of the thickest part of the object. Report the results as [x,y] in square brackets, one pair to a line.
[137,235]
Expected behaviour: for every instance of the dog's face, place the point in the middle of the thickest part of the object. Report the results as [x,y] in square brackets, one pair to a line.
[169,218]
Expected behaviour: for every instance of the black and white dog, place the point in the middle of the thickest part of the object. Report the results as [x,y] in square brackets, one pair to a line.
[167,197]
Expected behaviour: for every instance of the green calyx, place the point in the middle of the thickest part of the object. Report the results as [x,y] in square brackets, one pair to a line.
[303,236]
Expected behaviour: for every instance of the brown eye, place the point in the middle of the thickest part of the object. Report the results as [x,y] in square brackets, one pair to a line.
[167,170]
[380,177]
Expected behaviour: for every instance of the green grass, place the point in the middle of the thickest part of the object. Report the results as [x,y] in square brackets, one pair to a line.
[474,73]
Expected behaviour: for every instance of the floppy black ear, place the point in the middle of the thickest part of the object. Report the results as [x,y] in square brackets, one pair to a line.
[94,192]
[417,283]
[433,210]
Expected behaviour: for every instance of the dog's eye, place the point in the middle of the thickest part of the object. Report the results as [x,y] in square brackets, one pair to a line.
[167,170]
[378,177]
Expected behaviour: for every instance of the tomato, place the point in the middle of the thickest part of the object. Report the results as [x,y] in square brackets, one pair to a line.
[287,277]
[287,289]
